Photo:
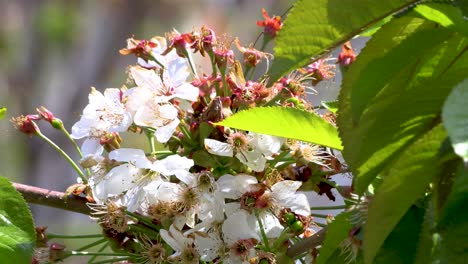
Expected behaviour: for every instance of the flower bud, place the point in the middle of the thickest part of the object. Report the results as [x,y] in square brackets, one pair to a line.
[222,56]
[181,43]
[208,40]
[41,237]
[26,124]
[49,117]
[320,70]
[347,55]
[271,25]
[56,252]
[141,48]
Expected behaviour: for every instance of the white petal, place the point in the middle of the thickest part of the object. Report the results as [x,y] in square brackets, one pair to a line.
[266,144]
[112,94]
[91,146]
[137,97]
[218,148]
[136,157]
[253,159]
[118,180]
[177,70]
[233,187]
[170,240]
[286,187]
[163,134]
[239,226]
[175,165]
[208,247]
[285,194]
[146,78]
[271,225]
[167,111]
[187,91]
[81,128]
[151,191]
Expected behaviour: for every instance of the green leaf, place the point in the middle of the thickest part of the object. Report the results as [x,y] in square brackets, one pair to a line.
[331,106]
[454,208]
[337,257]
[453,223]
[337,231]
[286,122]
[394,91]
[446,15]
[405,181]
[312,28]
[425,251]
[3,112]
[455,119]
[371,31]
[400,246]
[16,225]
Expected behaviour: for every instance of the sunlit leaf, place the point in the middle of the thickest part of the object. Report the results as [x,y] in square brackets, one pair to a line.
[16,226]
[313,28]
[446,15]
[3,112]
[394,91]
[331,106]
[286,122]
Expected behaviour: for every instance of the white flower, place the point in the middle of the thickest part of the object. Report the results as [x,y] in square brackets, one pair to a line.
[152,111]
[266,144]
[173,85]
[175,165]
[182,245]
[115,182]
[126,181]
[285,194]
[240,236]
[104,113]
[232,187]
[256,197]
[209,246]
[218,148]
[253,150]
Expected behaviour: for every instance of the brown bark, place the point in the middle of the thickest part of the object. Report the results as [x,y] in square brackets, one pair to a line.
[36,195]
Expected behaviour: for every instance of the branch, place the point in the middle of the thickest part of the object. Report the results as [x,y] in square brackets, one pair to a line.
[307,243]
[36,195]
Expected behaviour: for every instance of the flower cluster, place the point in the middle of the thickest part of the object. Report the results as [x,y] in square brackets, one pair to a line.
[200,191]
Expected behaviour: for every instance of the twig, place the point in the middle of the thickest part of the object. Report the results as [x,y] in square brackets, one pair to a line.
[307,244]
[36,195]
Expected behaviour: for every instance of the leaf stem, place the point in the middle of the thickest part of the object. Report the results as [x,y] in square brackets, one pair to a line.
[262,231]
[52,236]
[67,134]
[152,142]
[86,253]
[95,243]
[144,220]
[109,260]
[214,70]
[319,215]
[284,236]
[99,250]
[64,155]
[328,207]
